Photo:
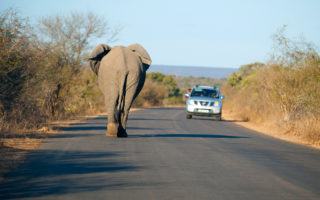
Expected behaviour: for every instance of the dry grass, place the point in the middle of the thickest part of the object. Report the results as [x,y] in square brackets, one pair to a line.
[307,134]
[307,130]
[304,131]
[280,100]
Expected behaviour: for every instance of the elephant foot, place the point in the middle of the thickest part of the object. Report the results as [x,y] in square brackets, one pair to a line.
[112,130]
[122,133]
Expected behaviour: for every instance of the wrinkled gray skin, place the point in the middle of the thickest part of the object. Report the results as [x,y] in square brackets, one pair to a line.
[121,75]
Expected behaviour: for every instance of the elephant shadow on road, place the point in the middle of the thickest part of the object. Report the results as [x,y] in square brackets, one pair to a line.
[186,135]
[52,172]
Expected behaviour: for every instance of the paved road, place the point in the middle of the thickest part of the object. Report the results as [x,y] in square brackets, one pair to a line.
[166,157]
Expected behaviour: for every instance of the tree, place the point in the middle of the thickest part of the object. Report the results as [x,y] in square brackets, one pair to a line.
[66,40]
[15,54]
[245,71]
[289,52]
[72,34]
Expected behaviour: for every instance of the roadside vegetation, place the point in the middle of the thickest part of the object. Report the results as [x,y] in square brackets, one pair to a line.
[159,90]
[169,90]
[44,74]
[283,93]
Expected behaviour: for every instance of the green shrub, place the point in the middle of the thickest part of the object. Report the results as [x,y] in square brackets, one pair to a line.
[159,90]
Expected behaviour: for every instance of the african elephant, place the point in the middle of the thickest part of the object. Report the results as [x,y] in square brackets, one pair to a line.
[121,75]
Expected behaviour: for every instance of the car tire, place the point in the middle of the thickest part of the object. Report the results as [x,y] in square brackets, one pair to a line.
[189,116]
[219,118]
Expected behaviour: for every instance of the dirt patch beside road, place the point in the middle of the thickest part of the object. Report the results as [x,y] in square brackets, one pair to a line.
[15,146]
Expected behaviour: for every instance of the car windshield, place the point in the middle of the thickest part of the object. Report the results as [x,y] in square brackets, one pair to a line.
[200,92]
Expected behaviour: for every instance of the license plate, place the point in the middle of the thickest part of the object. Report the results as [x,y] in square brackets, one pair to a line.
[216,111]
[203,111]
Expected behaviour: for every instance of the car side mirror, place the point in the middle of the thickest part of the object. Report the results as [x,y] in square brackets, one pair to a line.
[221,97]
[187,96]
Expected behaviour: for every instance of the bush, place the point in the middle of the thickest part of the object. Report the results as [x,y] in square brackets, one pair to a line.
[42,73]
[237,78]
[159,90]
[84,97]
[18,62]
[285,92]
[152,94]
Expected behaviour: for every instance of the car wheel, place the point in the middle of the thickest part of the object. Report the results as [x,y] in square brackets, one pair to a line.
[189,116]
[219,118]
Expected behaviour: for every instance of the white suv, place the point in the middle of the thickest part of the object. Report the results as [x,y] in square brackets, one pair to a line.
[204,101]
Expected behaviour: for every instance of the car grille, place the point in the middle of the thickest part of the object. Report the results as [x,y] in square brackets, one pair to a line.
[204,103]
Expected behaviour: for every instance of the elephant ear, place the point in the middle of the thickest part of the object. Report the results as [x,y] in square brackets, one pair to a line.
[96,56]
[142,53]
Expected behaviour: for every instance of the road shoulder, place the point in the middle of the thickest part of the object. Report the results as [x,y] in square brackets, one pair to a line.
[268,129]
[14,146]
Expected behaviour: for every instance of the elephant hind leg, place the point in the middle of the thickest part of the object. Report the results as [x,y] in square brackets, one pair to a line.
[130,94]
[122,132]
[111,101]
[122,100]
[112,129]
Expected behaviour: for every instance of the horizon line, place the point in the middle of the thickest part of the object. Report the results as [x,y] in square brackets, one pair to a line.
[174,65]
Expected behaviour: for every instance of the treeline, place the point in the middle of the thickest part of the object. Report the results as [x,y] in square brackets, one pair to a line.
[284,92]
[42,68]
[188,82]
[159,90]
[169,90]
[44,74]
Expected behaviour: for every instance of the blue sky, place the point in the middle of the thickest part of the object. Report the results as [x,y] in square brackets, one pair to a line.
[225,33]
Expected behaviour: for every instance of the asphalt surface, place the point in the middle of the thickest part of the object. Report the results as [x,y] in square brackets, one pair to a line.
[165,156]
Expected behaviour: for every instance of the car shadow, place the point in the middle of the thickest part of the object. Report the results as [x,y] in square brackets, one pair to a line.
[234,120]
[213,119]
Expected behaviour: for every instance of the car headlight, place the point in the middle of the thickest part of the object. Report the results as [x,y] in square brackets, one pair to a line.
[192,102]
[216,103]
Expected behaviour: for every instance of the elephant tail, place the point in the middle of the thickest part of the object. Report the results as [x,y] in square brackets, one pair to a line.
[96,56]
[122,92]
